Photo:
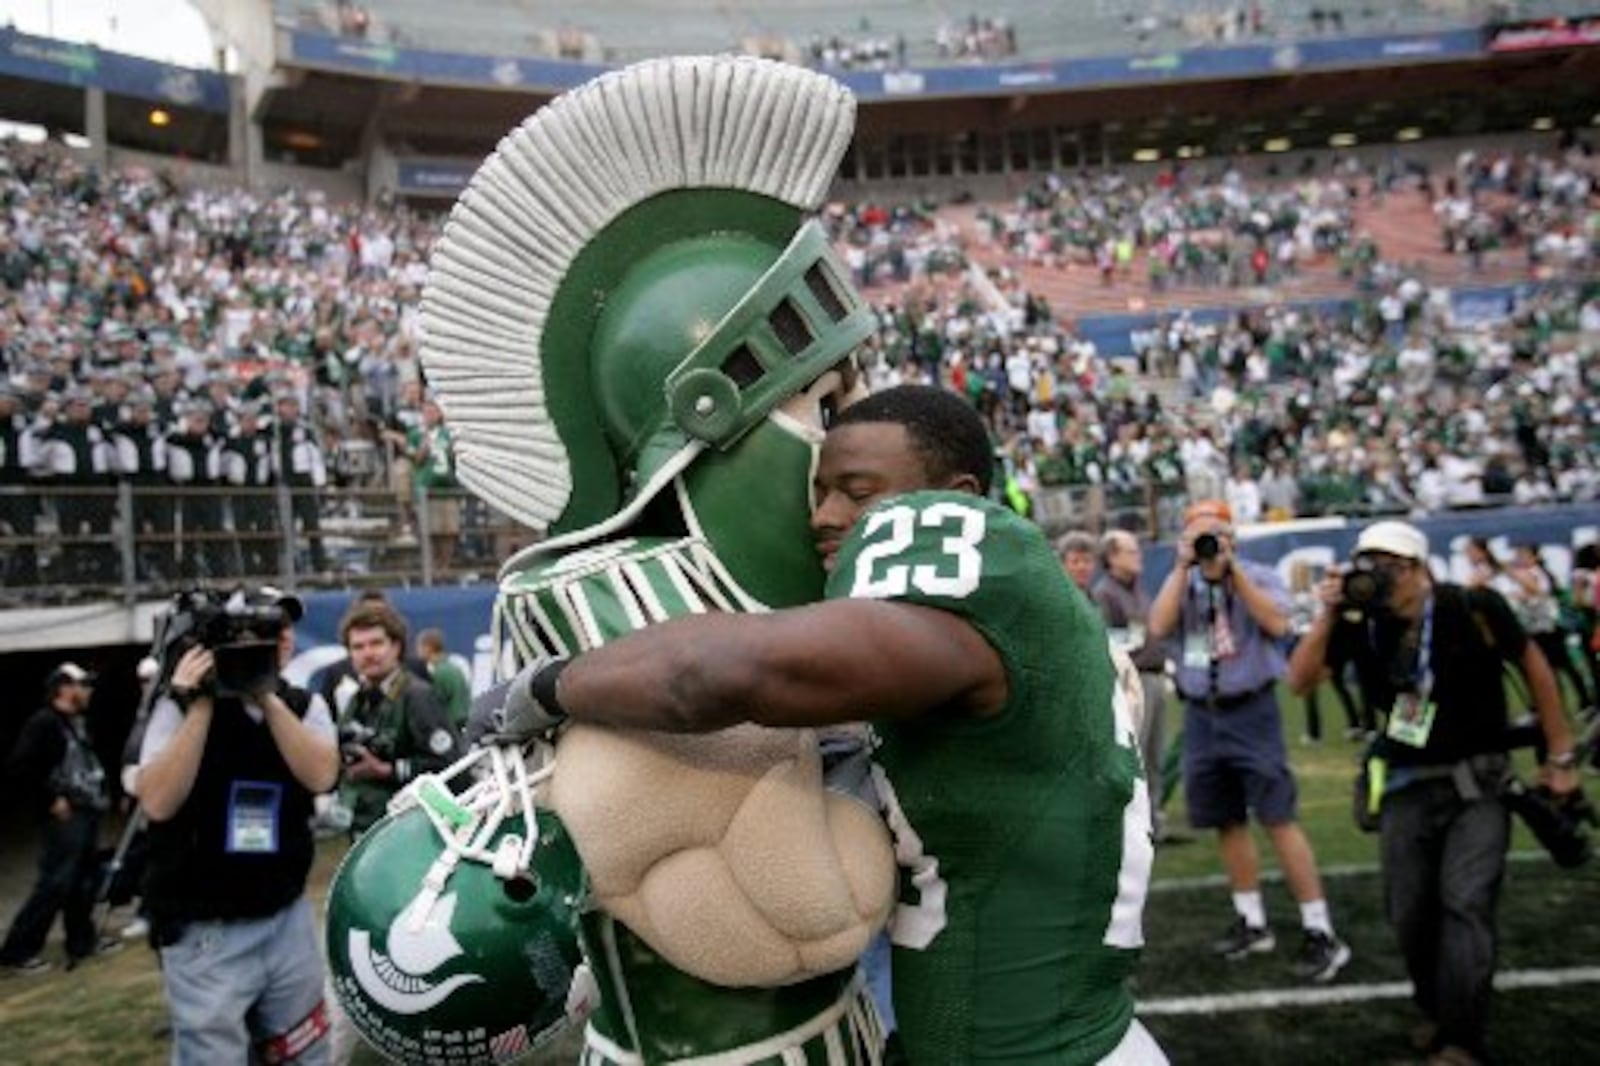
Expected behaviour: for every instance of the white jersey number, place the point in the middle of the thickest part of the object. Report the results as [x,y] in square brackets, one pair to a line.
[914,925]
[965,527]
[1126,927]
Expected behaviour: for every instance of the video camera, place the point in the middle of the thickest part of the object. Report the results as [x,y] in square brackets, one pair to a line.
[241,631]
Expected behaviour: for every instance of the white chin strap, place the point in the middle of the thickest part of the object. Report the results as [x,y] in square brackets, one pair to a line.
[502,788]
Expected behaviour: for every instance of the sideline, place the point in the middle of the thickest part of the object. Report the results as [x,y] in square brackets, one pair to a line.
[1358,869]
[1268,999]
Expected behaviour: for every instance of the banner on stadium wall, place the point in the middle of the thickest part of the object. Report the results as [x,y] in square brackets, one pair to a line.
[1579,31]
[419,64]
[1296,549]
[305,48]
[434,177]
[44,59]
[1474,306]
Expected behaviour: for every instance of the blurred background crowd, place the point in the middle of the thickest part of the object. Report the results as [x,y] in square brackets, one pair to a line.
[159,334]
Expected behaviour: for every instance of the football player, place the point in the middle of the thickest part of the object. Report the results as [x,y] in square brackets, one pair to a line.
[1006,755]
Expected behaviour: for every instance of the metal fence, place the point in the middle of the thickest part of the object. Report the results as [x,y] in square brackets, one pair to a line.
[133,542]
[130,541]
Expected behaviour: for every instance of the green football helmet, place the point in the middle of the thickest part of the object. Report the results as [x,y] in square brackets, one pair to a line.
[631,325]
[452,929]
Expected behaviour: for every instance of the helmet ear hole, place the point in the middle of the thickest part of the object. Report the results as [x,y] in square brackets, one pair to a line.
[521,888]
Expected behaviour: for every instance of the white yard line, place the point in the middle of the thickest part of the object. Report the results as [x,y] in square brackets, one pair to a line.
[1268,999]
[1359,869]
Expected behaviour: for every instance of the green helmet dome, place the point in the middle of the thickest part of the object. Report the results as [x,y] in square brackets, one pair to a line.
[463,974]
[667,306]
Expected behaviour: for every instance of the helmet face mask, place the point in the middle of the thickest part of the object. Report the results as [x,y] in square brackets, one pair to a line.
[769,473]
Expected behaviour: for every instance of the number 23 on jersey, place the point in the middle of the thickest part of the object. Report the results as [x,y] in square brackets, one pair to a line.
[952,572]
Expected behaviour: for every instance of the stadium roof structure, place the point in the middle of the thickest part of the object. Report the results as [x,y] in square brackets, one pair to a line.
[439,112]
[401,106]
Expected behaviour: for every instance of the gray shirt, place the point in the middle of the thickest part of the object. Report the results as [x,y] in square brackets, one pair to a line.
[1126,611]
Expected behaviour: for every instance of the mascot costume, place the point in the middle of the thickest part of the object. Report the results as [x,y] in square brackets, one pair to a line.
[637,336]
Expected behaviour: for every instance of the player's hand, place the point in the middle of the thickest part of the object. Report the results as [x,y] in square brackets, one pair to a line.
[367,766]
[61,809]
[193,669]
[522,717]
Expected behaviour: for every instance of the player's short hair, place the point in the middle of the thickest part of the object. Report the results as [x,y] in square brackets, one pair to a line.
[945,430]
[432,639]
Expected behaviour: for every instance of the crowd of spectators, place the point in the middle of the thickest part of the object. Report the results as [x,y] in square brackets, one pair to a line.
[1200,226]
[1392,407]
[979,37]
[142,317]
[1541,204]
[134,309]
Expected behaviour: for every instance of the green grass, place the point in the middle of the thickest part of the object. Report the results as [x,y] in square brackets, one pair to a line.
[106,1012]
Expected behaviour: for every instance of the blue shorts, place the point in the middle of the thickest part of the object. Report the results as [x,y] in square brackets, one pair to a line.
[1235,764]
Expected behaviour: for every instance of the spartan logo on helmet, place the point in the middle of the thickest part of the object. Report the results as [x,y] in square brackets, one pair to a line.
[419,943]
[452,922]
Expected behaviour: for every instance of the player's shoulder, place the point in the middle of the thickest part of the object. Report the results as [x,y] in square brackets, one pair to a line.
[946,544]
[939,501]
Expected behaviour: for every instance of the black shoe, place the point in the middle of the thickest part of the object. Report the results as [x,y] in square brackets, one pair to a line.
[106,945]
[1321,957]
[34,967]
[1242,939]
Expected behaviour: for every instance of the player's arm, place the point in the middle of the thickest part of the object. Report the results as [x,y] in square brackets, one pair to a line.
[823,664]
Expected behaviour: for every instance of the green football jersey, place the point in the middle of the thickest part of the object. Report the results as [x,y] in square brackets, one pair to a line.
[1024,838]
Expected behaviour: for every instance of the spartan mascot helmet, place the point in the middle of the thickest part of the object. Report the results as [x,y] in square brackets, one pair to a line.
[628,304]
[631,326]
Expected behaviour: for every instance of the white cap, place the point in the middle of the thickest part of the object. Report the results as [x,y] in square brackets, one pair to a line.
[1394,538]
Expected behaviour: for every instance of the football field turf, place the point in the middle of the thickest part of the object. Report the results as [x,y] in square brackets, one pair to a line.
[1203,1010]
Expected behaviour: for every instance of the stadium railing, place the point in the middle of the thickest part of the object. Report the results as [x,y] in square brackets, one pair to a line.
[132,542]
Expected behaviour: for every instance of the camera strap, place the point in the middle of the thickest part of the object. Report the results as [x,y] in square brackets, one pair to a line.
[1411,718]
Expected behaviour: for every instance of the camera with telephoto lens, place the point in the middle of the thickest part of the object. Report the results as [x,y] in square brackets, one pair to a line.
[1561,824]
[240,631]
[1207,546]
[354,735]
[1365,586]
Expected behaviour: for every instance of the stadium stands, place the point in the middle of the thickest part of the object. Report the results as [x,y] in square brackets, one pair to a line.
[126,289]
[896,32]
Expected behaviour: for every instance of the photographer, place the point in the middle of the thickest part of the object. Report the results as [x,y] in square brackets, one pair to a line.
[1432,654]
[1230,616]
[394,727]
[228,769]
[56,769]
